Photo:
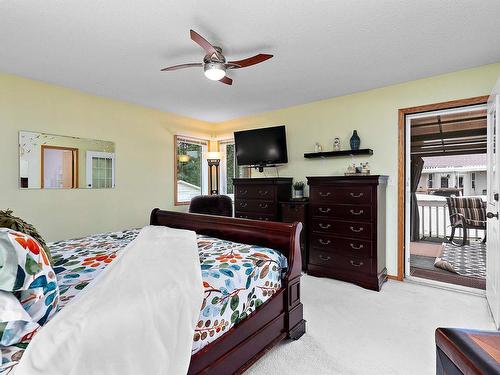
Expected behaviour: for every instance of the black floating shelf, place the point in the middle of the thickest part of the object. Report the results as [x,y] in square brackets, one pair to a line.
[332,154]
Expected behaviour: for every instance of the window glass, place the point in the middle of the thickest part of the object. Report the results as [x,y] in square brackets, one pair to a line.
[191,169]
[229,167]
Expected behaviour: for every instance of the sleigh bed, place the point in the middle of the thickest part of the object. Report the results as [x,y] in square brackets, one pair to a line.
[278,318]
[250,271]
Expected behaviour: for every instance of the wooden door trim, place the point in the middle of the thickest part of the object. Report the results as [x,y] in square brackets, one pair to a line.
[402,113]
[76,180]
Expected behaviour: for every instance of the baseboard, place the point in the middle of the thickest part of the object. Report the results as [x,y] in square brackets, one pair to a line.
[392,277]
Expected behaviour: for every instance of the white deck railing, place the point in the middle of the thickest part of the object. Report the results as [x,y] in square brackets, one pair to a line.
[435,219]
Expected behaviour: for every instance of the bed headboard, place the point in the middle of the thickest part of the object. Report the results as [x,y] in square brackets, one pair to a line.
[278,236]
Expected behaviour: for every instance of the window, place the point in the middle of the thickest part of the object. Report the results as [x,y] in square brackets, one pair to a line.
[229,167]
[460,182]
[429,182]
[444,182]
[473,180]
[191,174]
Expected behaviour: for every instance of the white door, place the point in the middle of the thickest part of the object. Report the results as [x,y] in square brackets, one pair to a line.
[493,224]
[100,170]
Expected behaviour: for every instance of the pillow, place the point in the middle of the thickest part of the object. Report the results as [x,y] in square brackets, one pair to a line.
[7,220]
[25,270]
[16,325]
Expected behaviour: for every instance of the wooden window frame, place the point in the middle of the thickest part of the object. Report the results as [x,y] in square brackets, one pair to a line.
[76,178]
[402,113]
[202,142]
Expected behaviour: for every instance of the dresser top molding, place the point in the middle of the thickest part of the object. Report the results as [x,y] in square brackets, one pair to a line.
[329,180]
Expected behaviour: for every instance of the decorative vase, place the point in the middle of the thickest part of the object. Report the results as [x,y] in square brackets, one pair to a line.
[299,194]
[355,140]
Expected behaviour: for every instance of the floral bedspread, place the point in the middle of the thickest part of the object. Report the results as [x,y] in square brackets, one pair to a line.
[237,279]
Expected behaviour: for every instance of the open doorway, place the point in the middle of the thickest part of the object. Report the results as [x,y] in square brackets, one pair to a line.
[446,189]
[59,167]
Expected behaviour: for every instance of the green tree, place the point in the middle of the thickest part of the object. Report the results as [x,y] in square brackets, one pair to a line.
[189,171]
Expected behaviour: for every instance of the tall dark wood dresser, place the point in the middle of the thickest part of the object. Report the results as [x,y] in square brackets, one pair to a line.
[347,229]
[258,198]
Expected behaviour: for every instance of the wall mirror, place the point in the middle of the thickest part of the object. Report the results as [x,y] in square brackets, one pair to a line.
[48,161]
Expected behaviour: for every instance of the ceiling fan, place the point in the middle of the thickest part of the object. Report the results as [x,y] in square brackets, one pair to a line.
[214,63]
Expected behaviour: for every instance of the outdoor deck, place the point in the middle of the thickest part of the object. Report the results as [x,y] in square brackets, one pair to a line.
[422,257]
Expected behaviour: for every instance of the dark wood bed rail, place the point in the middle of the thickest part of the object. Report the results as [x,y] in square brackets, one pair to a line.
[278,236]
[278,318]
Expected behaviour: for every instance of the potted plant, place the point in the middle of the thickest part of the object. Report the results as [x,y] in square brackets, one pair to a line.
[298,189]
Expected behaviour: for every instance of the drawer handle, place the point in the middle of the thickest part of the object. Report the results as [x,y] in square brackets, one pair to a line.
[360,229]
[263,218]
[327,194]
[356,247]
[243,216]
[243,192]
[243,204]
[324,210]
[324,242]
[359,195]
[263,205]
[322,257]
[263,192]
[324,226]
[360,212]
[356,264]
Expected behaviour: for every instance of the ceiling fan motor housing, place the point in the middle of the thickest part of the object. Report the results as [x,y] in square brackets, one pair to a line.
[215,70]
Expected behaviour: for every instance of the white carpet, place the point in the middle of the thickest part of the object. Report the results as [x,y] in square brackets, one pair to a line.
[351,330]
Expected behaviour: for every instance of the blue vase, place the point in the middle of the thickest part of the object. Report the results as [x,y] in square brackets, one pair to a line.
[355,140]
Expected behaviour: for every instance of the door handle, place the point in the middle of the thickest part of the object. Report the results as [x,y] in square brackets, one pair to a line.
[491,215]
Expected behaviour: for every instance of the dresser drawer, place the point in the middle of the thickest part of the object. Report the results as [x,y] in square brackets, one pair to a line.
[343,211]
[256,206]
[342,228]
[340,194]
[333,261]
[255,216]
[342,246]
[264,192]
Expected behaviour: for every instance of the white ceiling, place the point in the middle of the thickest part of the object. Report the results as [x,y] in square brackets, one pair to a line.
[322,49]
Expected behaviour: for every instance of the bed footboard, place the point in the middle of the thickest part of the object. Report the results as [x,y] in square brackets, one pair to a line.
[278,318]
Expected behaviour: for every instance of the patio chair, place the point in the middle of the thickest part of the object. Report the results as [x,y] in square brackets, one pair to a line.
[466,213]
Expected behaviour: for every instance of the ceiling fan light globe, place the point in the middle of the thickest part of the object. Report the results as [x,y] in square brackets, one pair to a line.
[215,71]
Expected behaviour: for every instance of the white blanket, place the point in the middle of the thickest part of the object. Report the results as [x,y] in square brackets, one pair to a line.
[138,317]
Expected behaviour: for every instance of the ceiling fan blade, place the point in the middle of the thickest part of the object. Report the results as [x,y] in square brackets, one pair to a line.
[226,80]
[251,60]
[181,66]
[203,43]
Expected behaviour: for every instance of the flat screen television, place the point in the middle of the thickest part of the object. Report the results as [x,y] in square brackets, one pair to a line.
[261,147]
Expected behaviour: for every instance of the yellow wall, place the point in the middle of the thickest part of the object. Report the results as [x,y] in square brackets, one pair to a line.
[144,157]
[374,114]
[144,145]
